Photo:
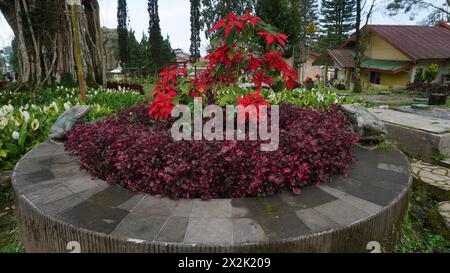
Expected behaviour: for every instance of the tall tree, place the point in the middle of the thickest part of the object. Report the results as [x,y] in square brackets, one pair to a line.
[303,16]
[45,45]
[415,6]
[214,10]
[358,50]
[136,58]
[167,53]
[155,38]
[361,40]
[338,17]
[309,14]
[122,30]
[195,30]
[2,63]
[276,13]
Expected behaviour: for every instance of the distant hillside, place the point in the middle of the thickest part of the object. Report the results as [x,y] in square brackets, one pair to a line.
[111,44]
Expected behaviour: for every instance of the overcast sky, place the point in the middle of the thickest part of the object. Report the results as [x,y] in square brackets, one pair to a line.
[175,16]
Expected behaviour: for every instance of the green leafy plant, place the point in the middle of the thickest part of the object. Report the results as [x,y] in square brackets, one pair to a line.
[427,74]
[438,156]
[386,145]
[430,73]
[415,234]
[26,118]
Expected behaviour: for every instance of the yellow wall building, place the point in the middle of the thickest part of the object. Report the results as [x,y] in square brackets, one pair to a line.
[392,55]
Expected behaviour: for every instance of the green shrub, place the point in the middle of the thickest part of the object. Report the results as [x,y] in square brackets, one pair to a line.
[91,83]
[427,74]
[430,73]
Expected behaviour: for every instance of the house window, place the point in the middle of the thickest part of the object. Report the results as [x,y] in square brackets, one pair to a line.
[375,78]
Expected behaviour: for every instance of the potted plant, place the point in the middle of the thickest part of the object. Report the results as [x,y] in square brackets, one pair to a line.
[437,99]
[428,75]
[309,83]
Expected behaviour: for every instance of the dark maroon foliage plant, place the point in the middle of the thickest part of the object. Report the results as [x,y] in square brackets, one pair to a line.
[139,154]
[428,88]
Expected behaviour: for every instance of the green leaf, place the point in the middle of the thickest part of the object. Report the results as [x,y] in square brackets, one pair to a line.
[231,39]
[176,100]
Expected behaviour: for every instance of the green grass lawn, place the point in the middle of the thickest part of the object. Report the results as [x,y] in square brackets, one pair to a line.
[9,234]
[416,235]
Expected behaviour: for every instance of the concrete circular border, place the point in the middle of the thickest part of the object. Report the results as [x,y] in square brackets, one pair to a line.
[57,204]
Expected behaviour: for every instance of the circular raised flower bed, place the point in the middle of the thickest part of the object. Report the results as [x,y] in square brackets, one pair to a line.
[141,155]
[58,204]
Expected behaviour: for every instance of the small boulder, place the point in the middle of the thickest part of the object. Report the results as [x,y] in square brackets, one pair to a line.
[67,121]
[365,124]
[439,219]
[5,180]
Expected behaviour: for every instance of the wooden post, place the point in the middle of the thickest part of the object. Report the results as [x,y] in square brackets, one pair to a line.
[78,60]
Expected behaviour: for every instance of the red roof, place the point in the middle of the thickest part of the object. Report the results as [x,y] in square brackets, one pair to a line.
[444,24]
[418,42]
[344,57]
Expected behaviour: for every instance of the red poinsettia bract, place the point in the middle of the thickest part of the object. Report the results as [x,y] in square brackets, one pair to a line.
[254,63]
[250,19]
[272,38]
[169,81]
[161,108]
[254,99]
[275,60]
[261,79]
[230,22]
[220,55]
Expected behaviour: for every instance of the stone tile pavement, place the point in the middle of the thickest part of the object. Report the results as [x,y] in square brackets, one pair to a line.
[435,178]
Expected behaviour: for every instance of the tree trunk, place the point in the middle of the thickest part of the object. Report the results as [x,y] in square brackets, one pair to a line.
[45,39]
[359,50]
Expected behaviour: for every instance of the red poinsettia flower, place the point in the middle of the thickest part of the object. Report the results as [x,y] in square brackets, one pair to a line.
[275,60]
[290,84]
[230,22]
[161,108]
[166,88]
[251,19]
[260,79]
[199,88]
[271,39]
[290,74]
[169,74]
[254,63]
[220,55]
[254,99]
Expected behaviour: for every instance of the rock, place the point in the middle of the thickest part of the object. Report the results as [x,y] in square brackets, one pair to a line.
[5,180]
[365,124]
[422,100]
[439,219]
[421,106]
[67,121]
